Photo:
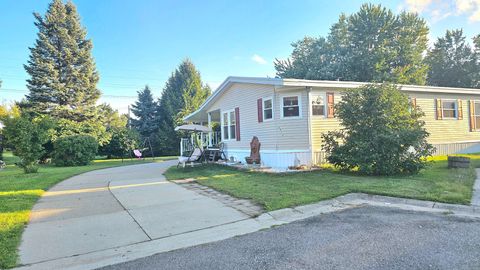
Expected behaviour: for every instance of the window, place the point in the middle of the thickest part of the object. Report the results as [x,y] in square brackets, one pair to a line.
[318,105]
[476,116]
[449,109]
[267,109]
[228,125]
[291,107]
[225,126]
[233,125]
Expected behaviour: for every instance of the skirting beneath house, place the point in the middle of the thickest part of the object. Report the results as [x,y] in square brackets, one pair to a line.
[282,159]
[456,148]
[277,159]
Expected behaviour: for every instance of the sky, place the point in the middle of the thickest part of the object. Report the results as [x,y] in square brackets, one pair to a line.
[142,42]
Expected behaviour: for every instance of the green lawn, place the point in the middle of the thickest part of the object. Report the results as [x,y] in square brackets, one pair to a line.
[19,192]
[275,191]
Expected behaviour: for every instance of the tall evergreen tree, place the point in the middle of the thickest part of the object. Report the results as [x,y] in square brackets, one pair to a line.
[62,71]
[476,42]
[183,93]
[452,61]
[144,110]
[373,44]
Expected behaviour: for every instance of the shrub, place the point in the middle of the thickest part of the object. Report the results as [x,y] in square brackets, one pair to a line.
[382,133]
[27,136]
[75,150]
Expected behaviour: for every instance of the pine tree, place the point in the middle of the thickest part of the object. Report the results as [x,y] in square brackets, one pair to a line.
[183,93]
[62,71]
[452,61]
[144,110]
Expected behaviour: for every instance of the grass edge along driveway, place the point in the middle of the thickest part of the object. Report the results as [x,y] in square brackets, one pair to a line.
[276,191]
[19,192]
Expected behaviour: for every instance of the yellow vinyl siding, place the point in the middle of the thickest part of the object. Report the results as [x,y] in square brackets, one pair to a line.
[446,130]
[441,131]
[275,134]
[322,124]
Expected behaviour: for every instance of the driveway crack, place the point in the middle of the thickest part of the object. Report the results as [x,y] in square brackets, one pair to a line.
[128,212]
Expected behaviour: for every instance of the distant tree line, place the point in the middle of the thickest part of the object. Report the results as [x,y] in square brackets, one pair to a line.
[376,45]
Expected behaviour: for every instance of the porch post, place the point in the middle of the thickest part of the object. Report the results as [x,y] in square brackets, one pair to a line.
[209,116]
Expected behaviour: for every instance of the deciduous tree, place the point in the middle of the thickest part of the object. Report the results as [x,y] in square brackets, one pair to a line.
[370,45]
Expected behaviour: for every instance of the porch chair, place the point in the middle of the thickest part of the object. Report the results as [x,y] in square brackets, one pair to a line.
[195,156]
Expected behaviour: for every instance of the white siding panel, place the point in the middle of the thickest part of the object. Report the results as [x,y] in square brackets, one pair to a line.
[277,134]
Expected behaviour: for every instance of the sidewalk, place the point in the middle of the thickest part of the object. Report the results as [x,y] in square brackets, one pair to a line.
[116,207]
[476,190]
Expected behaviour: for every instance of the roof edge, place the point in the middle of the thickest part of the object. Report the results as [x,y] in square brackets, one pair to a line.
[320,83]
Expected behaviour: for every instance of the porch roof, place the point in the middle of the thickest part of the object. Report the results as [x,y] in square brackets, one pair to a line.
[200,115]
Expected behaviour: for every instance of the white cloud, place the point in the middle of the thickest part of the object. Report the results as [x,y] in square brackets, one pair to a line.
[471,7]
[258,59]
[417,5]
[475,17]
[463,5]
[438,15]
[438,10]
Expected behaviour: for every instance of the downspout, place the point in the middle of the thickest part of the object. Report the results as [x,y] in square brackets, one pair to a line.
[309,124]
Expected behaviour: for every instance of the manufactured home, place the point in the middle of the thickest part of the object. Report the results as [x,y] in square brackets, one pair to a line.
[289,115]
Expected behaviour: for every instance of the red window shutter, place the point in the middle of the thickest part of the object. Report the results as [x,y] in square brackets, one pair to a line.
[438,108]
[472,116]
[237,123]
[460,109]
[330,104]
[260,110]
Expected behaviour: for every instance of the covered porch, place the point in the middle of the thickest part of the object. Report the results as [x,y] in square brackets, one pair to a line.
[205,140]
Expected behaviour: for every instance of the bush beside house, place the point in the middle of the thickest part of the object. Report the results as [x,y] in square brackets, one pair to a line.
[382,133]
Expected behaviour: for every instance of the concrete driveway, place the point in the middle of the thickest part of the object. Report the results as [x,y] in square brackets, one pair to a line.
[115,207]
[359,238]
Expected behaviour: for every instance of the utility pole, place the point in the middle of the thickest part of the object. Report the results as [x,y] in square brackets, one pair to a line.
[129,125]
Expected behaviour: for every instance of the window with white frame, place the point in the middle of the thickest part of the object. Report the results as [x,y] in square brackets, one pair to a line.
[267,109]
[290,106]
[476,116]
[228,125]
[318,105]
[449,109]
[233,125]
[225,125]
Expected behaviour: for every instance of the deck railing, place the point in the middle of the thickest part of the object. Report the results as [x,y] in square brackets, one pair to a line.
[204,140]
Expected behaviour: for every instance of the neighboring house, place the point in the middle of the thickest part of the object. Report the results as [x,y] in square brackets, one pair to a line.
[289,116]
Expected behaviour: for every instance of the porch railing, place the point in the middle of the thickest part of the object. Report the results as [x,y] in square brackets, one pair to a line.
[204,140]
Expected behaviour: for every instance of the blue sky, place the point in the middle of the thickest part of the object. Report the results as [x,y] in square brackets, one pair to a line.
[141,42]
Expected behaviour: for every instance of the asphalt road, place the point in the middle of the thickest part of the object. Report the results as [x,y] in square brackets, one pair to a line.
[362,238]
